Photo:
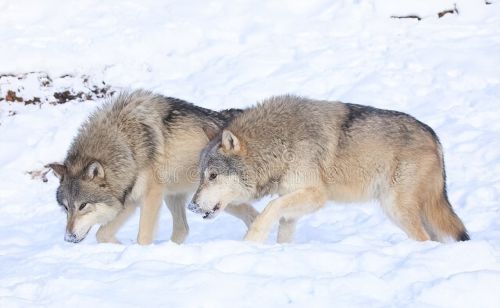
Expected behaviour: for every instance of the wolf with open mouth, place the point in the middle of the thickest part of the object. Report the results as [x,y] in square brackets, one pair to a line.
[309,151]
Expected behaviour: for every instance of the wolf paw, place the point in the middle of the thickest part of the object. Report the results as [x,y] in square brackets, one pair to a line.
[144,240]
[111,240]
[255,236]
[179,237]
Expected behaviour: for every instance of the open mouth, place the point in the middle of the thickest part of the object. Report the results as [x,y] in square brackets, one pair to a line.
[195,208]
[211,214]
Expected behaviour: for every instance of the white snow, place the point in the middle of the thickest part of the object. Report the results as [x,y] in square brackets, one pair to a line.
[220,54]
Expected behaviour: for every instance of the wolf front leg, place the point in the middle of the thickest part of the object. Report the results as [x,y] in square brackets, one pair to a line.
[291,206]
[149,212]
[177,206]
[107,232]
[243,211]
[286,230]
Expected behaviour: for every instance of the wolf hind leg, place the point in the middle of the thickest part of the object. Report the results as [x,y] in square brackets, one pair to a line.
[177,206]
[245,212]
[107,232]
[290,206]
[404,210]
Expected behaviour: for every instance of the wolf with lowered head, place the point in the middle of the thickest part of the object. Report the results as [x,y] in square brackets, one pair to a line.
[136,150]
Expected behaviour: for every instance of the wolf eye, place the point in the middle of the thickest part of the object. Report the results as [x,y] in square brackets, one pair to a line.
[212,176]
[82,206]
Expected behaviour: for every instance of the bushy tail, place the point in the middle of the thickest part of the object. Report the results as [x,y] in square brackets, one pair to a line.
[442,220]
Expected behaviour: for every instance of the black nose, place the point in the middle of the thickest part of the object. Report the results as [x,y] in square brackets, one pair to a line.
[195,208]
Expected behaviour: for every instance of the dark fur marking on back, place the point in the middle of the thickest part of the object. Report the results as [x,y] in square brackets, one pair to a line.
[180,109]
[428,129]
[229,114]
[360,112]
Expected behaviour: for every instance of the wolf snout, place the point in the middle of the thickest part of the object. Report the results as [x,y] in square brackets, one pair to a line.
[72,238]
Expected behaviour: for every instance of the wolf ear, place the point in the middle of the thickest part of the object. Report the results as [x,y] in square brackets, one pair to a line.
[58,169]
[95,170]
[211,130]
[230,143]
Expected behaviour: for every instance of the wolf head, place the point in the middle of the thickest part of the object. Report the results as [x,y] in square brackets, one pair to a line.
[224,177]
[85,197]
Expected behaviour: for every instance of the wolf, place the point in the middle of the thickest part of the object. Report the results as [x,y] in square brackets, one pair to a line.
[310,151]
[136,150]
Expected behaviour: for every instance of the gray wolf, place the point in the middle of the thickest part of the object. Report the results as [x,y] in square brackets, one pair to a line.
[136,150]
[309,151]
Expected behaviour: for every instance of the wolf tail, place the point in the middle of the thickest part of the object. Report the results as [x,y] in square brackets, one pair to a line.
[442,221]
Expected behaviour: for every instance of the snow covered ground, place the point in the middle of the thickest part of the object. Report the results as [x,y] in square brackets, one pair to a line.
[219,54]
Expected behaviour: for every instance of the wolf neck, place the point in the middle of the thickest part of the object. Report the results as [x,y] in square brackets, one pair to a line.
[106,146]
[266,161]
[270,147]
